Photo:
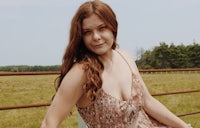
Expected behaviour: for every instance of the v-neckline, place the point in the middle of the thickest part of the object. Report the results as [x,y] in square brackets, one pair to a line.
[101,90]
[130,96]
[117,99]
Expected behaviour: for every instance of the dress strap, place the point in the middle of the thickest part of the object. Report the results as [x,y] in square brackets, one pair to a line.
[135,81]
[126,59]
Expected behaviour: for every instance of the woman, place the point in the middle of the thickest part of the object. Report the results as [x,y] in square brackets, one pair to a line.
[103,81]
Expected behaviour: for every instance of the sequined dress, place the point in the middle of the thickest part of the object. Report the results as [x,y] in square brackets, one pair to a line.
[110,112]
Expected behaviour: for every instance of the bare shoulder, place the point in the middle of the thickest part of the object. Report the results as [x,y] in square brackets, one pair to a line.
[76,72]
[125,53]
[69,92]
[75,78]
[129,58]
[77,69]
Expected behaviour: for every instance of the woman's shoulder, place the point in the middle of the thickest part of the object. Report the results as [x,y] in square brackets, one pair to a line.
[124,53]
[78,66]
[76,69]
[75,75]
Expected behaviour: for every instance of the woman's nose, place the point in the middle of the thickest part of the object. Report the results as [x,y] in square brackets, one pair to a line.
[96,35]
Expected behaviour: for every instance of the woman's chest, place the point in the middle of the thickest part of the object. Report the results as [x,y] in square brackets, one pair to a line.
[118,84]
[109,111]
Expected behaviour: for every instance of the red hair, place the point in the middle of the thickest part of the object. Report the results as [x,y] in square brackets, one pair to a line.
[76,51]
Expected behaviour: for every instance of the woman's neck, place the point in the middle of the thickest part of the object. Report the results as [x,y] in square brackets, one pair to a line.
[107,59]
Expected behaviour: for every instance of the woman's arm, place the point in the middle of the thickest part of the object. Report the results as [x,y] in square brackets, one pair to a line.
[154,108]
[66,97]
[157,110]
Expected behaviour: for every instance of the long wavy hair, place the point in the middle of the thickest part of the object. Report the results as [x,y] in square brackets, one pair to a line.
[76,52]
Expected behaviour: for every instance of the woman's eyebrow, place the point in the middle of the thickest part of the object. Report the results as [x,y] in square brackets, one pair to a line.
[101,25]
[98,26]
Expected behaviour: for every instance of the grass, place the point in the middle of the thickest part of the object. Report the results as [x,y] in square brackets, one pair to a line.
[179,103]
[19,90]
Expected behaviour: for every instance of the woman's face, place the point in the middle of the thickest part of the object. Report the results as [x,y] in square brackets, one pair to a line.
[97,37]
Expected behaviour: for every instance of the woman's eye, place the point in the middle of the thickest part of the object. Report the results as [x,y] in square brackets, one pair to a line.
[102,28]
[86,32]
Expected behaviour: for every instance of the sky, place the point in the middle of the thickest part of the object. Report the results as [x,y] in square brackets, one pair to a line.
[35,32]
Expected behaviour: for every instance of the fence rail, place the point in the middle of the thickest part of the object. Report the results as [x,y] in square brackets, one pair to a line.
[169,70]
[23,106]
[57,73]
[176,92]
[159,94]
[28,73]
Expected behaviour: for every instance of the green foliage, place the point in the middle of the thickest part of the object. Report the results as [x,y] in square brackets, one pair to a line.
[171,56]
[26,68]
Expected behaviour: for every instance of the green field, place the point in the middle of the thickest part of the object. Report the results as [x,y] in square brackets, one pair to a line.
[20,90]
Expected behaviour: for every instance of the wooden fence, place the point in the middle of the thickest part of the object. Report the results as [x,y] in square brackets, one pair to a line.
[141,71]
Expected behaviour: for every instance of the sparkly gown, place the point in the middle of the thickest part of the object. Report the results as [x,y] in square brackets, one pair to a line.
[110,112]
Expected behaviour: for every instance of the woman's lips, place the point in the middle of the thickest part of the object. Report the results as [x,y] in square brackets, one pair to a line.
[98,45]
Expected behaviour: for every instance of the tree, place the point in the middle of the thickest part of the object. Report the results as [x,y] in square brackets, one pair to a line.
[164,56]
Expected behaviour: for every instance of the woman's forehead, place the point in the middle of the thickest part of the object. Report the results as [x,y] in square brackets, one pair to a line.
[91,21]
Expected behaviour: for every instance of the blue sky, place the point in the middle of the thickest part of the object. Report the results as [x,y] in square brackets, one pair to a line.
[35,32]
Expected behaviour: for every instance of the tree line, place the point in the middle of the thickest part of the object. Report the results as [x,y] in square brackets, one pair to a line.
[170,56]
[26,68]
[160,57]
